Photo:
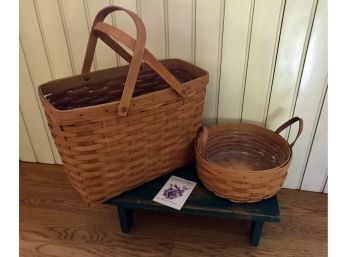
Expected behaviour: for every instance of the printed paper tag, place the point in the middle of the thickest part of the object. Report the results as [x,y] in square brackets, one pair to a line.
[175,192]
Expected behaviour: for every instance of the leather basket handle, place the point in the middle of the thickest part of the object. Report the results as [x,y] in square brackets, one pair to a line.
[289,123]
[109,34]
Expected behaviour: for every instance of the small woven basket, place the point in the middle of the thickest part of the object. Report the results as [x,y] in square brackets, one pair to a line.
[243,162]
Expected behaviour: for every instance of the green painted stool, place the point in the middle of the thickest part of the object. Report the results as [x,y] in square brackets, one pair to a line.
[200,202]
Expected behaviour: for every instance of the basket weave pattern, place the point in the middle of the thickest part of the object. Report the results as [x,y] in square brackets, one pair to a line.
[243,162]
[118,128]
[105,154]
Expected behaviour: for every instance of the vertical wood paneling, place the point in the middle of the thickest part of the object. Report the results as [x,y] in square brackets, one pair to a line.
[26,152]
[267,62]
[326,186]
[311,95]
[77,30]
[180,29]
[124,22]
[317,161]
[36,59]
[193,36]
[263,49]
[105,57]
[208,50]
[295,34]
[32,43]
[54,38]
[31,114]
[152,14]
[235,49]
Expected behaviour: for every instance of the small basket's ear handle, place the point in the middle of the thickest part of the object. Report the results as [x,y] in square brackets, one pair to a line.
[289,123]
[205,134]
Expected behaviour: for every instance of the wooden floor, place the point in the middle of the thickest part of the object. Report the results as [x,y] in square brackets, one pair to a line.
[55,222]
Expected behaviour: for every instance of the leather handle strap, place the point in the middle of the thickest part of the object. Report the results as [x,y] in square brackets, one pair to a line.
[289,123]
[151,60]
[204,141]
[138,48]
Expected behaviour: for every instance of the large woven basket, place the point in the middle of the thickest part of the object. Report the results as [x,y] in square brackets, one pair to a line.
[121,127]
[243,162]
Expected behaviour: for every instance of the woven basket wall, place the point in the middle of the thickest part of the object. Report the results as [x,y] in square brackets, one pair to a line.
[110,144]
[243,162]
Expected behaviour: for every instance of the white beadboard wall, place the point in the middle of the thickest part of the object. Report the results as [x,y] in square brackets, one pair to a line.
[267,62]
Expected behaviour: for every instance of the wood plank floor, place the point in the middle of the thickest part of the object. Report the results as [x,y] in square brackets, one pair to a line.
[55,222]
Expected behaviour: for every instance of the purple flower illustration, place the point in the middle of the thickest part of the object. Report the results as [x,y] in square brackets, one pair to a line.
[174,192]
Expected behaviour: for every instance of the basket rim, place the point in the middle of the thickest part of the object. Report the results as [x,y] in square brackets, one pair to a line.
[245,171]
[204,77]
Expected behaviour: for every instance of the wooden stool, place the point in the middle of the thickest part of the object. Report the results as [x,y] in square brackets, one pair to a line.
[200,202]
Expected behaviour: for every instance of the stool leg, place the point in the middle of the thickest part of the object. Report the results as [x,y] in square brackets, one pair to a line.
[125,217]
[255,232]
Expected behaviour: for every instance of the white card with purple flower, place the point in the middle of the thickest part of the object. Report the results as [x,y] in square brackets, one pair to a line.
[175,192]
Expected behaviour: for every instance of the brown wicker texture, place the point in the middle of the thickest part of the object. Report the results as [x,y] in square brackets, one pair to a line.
[243,162]
[118,128]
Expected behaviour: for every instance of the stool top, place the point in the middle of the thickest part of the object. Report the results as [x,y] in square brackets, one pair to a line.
[200,202]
